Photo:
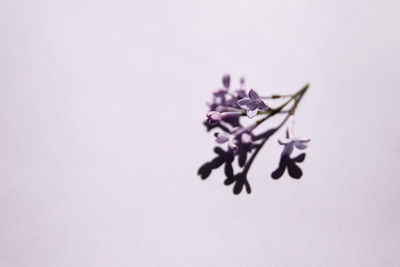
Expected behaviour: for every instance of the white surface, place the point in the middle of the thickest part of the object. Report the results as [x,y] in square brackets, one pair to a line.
[101,104]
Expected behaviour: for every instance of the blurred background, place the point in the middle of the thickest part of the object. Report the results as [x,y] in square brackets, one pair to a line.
[101,135]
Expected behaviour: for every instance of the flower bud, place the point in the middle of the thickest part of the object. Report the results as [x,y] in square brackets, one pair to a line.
[213,117]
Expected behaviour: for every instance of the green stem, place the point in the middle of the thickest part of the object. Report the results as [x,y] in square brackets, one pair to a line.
[293,97]
[275,96]
[253,156]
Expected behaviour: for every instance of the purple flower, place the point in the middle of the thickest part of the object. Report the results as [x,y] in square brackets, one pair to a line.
[227,137]
[232,138]
[241,92]
[300,143]
[214,117]
[291,141]
[252,104]
[246,139]
[226,81]
[219,95]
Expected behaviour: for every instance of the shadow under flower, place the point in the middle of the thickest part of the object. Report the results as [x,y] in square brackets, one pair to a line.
[239,180]
[286,162]
[227,157]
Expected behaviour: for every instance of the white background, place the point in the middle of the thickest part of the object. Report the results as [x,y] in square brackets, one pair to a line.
[101,136]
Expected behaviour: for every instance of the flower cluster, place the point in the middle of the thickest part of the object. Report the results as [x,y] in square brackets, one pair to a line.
[227,110]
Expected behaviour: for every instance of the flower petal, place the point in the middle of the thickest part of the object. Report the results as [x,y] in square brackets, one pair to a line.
[284,141]
[226,80]
[232,145]
[253,95]
[252,105]
[214,115]
[221,137]
[211,122]
[290,126]
[262,105]
[300,145]
[246,138]
[220,92]
[244,102]
[251,113]
[302,139]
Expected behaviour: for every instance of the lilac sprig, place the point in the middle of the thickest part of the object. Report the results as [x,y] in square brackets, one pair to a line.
[252,104]
[227,111]
[291,141]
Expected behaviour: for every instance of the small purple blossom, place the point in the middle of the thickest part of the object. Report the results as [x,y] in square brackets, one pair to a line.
[221,93]
[227,137]
[226,80]
[290,142]
[232,138]
[241,92]
[214,117]
[246,139]
[252,104]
